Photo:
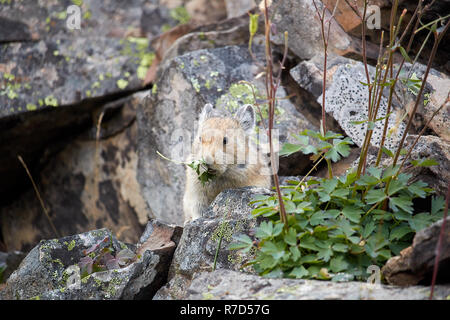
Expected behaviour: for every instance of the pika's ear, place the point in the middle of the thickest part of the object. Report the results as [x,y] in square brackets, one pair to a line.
[206,113]
[246,117]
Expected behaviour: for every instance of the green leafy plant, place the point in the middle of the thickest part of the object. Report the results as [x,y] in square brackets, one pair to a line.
[333,232]
[336,227]
[199,166]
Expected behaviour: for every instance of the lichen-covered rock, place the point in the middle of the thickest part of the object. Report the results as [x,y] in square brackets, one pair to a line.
[236,8]
[85,186]
[416,263]
[167,119]
[231,285]
[54,73]
[37,20]
[229,215]
[51,271]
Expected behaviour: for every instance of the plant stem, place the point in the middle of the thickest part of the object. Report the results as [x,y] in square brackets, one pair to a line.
[439,244]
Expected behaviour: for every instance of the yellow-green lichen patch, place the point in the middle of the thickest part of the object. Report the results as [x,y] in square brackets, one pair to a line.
[51,101]
[71,245]
[180,14]
[195,84]
[154,89]
[122,84]
[31,107]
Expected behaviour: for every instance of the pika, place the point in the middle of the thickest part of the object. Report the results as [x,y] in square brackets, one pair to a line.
[231,157]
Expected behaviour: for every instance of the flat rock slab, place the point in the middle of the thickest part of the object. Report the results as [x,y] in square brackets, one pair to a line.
[48,74]
[232,285]
[35,20]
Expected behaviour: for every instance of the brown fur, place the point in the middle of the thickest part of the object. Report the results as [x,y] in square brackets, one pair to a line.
[208,145]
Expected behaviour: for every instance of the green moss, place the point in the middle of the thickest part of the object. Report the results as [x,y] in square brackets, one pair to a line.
[207,296]
[38,297]
[77,2]
[154,89]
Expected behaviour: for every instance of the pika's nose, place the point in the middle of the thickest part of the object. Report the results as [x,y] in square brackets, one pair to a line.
[209,160]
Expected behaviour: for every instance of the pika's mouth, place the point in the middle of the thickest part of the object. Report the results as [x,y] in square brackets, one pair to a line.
[211,171]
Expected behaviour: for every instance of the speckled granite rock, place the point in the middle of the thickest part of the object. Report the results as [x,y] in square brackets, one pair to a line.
[232,285]
[346,98]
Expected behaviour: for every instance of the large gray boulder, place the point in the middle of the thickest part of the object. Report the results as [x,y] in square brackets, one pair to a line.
[232,285]
[167,119]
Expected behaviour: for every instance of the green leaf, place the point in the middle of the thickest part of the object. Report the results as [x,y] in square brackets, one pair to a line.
[325,254]
[295,253]
[395,186]
[437,204]
[375,195]
[338,264]
[420,221]
[399,232]
[352,213]
[265,230]
[368,229]
[340,193]
[276,250]
[390,172]
[417,188]
[289,148]
[340,247]
[367,180]
[243,242]
[299,272]
[291,237]
[402,202]
[329,185]
[388,152]
[424,162]
[404,54]
[376,172]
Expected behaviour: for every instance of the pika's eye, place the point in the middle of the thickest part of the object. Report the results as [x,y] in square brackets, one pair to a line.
[225,140]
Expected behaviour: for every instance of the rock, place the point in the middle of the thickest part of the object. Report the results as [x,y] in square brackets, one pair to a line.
[416,263]
[9,261]
[167,119]
[236,8]
[50,271]
[346,98]
[229,215]
[300,20]
[232,285]
[85,186]
[49,74]
[139,18]
[229,32]
[436,95]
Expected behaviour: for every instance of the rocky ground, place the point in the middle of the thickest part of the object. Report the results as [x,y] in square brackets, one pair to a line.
[87,110]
